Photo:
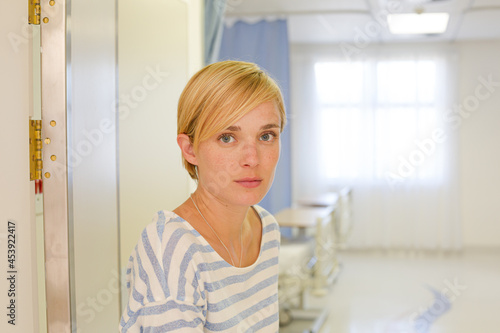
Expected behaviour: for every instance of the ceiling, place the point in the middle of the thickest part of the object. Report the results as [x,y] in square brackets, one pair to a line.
[334,21]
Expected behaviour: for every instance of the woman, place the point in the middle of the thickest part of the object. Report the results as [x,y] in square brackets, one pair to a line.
[211,265]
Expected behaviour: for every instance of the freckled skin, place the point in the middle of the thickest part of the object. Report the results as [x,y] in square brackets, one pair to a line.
[235,171]
[248,150]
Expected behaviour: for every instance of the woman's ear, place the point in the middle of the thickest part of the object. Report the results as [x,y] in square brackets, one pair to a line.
[187,149]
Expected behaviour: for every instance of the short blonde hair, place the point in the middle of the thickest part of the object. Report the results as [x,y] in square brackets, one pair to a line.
[219,95]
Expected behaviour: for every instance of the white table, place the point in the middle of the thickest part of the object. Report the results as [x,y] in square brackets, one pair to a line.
[321,200]
[302,217]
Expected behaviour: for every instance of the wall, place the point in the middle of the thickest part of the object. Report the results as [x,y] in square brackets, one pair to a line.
[159,48]
[480,145]
[18,285]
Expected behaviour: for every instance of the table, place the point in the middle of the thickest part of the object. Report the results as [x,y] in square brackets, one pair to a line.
[320,200]
[302,217]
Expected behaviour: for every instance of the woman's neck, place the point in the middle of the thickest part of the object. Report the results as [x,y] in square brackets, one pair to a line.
[225,219]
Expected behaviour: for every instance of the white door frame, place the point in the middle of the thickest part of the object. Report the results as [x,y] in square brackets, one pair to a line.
[80,165]
[55,174]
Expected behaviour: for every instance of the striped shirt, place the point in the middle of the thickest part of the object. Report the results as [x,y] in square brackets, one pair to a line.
[177,282]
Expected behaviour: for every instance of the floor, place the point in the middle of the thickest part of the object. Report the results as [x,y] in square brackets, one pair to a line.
[380,292]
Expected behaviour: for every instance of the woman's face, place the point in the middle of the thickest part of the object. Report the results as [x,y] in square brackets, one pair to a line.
[237,165]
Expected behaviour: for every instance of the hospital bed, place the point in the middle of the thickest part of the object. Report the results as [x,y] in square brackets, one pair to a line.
[308,260]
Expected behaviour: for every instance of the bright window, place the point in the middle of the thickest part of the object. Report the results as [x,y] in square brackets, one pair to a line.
[376,114]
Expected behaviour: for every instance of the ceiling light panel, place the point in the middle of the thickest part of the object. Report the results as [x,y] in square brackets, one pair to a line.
[411,23]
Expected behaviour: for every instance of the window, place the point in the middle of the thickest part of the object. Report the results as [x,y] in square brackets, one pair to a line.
[370,124]
[372,116]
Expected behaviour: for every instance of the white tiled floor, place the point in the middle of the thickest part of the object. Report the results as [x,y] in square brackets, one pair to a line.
[391,293]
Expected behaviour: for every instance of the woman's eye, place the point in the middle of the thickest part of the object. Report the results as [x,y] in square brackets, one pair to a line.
[226,138]
[267,137]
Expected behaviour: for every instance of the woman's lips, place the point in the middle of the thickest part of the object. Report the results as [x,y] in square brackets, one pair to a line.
[249,182]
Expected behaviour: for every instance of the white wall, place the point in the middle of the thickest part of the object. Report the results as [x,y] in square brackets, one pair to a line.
[159,48]
[16,191]
[480,146]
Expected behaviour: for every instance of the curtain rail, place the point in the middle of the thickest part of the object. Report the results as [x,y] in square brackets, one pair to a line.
[298,12]
[334,12]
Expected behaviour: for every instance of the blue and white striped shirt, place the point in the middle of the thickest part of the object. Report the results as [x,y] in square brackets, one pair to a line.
[177,282]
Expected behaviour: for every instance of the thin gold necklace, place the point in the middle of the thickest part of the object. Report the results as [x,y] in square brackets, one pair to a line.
[216,235]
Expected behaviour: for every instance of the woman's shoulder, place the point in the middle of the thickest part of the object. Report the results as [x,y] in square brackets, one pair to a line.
[166,226]
[165,218]
[268,221]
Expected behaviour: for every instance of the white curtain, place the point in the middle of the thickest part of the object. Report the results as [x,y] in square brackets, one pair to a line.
[375,121]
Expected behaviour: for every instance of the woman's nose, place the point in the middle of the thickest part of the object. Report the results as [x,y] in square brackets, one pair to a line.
[250,155]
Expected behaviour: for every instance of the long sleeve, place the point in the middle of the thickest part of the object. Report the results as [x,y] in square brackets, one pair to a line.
[164,293]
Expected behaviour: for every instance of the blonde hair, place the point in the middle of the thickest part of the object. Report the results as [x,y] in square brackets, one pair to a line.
[219,95]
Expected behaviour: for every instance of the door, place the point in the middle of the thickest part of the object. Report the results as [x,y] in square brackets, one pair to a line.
[18,265]
[83,230]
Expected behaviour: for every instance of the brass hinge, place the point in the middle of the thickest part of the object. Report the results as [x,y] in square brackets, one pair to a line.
[36,163]
[34,11]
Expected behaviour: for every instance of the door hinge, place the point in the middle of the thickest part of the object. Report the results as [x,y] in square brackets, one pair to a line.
[36,163]
[34,11]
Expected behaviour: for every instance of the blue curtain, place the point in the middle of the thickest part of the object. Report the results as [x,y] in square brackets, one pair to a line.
[214,22]
[266,44]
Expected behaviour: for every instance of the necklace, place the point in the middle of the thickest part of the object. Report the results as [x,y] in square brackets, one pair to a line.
[216,235]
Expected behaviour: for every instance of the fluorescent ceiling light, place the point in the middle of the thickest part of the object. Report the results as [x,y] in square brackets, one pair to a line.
[425,23]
